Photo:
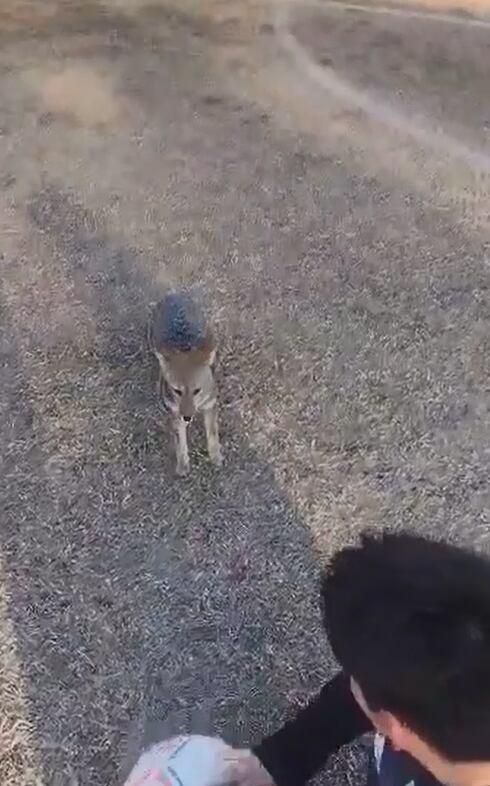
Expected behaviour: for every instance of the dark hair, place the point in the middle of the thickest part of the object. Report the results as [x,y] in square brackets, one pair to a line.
[409,620]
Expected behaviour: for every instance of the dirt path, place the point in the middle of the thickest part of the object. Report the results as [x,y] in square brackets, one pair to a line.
[387,113]
[345,261]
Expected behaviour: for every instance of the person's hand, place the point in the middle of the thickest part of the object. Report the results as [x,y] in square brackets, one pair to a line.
[244,769]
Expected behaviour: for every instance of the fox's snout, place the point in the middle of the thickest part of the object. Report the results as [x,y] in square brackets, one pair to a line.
[187,408]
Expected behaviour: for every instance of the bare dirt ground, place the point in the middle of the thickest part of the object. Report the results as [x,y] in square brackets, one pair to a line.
[345,257]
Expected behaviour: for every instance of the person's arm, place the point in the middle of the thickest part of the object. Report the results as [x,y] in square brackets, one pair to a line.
[294,753]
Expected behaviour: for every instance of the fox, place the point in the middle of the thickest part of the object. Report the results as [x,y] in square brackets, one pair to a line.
[185,347]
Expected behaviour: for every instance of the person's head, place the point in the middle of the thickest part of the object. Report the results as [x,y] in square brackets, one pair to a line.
[409,620]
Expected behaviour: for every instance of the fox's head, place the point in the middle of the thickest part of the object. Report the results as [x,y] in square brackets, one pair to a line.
[188,377]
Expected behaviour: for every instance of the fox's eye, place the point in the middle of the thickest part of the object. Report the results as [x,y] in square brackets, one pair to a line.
[196,391]
[176,390]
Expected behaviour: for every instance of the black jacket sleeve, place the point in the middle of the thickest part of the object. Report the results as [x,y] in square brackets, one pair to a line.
[302,746]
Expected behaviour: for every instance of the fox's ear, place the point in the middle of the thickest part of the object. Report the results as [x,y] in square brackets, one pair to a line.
[164,355]
[208,349]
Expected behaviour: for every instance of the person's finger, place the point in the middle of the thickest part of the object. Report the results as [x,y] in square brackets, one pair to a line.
[244,767]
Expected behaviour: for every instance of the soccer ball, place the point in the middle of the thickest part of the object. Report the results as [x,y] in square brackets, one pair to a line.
[187,760]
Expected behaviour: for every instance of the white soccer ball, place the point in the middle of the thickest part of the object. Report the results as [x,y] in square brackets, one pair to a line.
[187,760]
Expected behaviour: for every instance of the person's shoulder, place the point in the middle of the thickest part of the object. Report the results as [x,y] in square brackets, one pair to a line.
[396,768]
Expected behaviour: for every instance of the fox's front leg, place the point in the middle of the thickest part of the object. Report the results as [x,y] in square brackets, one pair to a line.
[212,435]
[181,449]
[160,384]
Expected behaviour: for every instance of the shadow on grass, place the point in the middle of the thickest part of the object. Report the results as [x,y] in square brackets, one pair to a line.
[139,598]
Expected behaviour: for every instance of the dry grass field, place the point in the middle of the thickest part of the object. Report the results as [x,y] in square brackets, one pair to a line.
[320,174]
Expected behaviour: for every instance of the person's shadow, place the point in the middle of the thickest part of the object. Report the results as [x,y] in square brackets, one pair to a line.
[143,604]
